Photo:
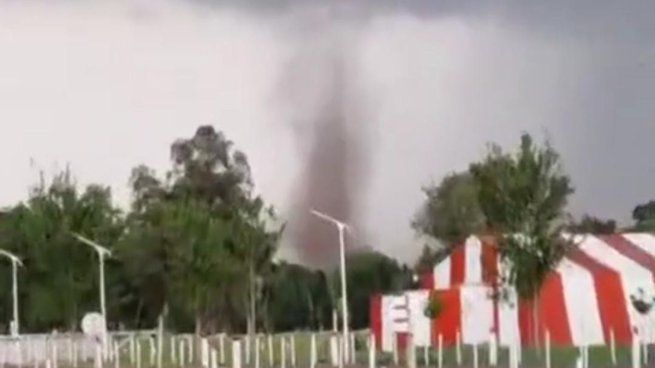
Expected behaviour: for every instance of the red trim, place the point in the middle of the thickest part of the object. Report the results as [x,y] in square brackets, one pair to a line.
[610,297]
[450,319]
[458,265]
[375,311]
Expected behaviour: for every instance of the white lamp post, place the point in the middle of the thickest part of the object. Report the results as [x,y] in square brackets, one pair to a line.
[15,262]
[102,253]
[341,226]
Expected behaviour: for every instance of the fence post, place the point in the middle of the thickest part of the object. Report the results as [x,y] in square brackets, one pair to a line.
[459,349]
[236,354]
[138,354]
[440,351]
[547,349]
[271,357]
[312,351]
[371,351]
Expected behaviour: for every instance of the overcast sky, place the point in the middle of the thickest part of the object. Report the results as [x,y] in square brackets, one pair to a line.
[106,85]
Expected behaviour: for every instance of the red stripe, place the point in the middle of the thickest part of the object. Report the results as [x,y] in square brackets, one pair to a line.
[427,280]
[450,319]
[625,247]
[526,323]
[552,311]
[458,265]
[489,262]
[551,315]
[490,274]
[402,343]
[376,318]
[610,297]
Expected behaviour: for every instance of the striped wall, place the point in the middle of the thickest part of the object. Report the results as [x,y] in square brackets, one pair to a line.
[584,301]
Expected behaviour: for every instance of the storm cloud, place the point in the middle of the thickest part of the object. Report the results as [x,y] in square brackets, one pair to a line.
[108,85]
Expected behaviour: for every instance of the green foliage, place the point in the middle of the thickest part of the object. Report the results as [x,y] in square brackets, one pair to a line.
[208,238]
[431,255]
[523,196]
[644,216]
[297,298]
[59,280]
[369,273]
[196,245]
[433,307]
[451,211]
[593,225]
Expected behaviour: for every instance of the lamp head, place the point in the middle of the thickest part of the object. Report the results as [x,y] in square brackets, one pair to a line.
[102,251]
[11,256]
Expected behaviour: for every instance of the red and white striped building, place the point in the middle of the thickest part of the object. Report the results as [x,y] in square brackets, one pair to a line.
[585,300]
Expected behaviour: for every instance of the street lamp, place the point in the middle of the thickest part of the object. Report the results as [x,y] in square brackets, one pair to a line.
[15,262]
[341,226]
[102,253]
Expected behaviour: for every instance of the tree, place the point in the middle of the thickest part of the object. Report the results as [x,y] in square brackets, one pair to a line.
[297,298]
[593,225]
[644,216]
[209,238]
[369,273]
[60,274]
[432,253]
[523,196]
[255,243]
[207,167]
[451,211]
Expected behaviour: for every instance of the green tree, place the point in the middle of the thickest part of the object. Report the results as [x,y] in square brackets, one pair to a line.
[60,277]
[255,239]
[297,298]
[451,211]
[432,253]
[523,196]
[593,225]
[369,273]
[208,237]
[644,216]
[207,167]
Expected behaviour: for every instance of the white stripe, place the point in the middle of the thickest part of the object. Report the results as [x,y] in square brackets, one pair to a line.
[477,314]
[581,304]
[397,314]
[508,319]
[644,241]
[473,262]
[420,324]
[442,274]
[387,323]
[400,314]
[633,276]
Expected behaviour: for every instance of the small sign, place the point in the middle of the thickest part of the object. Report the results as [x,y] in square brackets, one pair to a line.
[93,326]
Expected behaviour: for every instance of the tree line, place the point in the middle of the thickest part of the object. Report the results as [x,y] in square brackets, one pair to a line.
[198,247]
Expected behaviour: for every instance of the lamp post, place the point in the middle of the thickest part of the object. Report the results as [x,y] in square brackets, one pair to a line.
[102,253]
[341,226]
[15,262]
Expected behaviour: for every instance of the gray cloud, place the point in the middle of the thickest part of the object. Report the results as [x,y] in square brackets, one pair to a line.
[85,83]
